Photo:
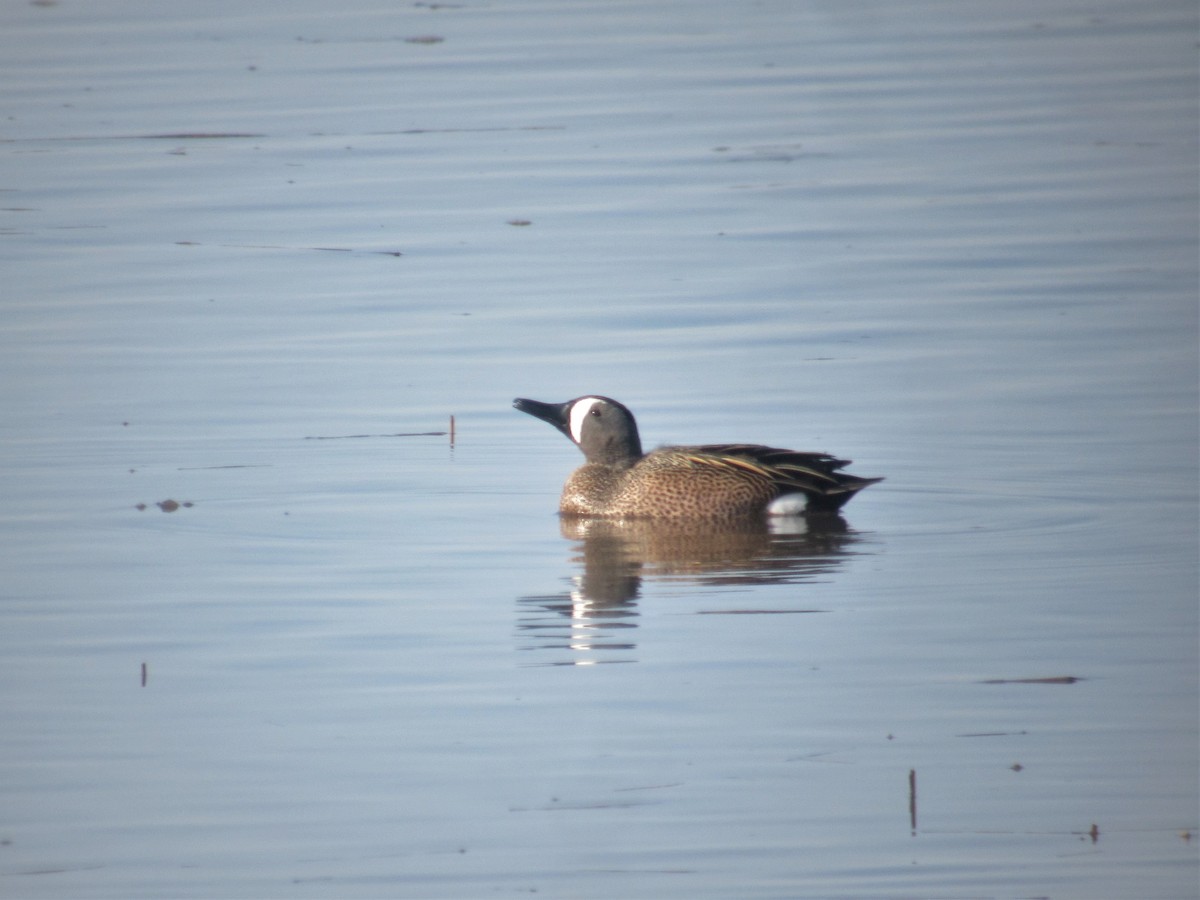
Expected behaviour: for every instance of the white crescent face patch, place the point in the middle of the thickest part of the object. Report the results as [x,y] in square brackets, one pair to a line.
[579,412]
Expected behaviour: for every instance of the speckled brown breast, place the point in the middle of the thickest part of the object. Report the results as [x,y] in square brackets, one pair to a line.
[667,484]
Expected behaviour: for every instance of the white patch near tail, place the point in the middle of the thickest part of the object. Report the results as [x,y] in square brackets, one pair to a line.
[579,412]
[788,505]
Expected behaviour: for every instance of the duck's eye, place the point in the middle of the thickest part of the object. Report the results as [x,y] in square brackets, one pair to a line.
[594,411]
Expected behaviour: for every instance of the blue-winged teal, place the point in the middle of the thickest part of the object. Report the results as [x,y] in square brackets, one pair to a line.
[712,481]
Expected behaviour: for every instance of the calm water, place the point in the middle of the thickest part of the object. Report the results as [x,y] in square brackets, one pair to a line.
[253,263]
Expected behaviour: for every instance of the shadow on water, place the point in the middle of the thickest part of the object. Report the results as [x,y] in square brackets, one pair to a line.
[595,620]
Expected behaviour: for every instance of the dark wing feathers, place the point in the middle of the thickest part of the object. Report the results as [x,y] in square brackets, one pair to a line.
[815,474]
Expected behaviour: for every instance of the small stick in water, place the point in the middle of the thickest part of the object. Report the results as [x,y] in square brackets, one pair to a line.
[912,799]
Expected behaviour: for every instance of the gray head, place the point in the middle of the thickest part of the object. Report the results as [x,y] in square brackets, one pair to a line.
[601,427]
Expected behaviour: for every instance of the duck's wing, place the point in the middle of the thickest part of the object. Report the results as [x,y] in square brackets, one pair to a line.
[817,475]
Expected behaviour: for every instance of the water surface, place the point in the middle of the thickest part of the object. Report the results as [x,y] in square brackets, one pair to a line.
[254,262]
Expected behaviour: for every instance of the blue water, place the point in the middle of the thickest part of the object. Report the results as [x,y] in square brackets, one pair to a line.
[254,261]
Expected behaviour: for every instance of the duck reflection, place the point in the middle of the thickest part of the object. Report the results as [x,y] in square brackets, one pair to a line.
[595,619]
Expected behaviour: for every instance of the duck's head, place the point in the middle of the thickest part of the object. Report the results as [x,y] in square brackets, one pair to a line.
[601,427]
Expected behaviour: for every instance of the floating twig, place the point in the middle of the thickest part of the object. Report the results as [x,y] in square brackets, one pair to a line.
[912,800]
[346,437]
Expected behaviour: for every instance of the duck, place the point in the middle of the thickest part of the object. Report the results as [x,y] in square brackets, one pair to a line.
[719,482]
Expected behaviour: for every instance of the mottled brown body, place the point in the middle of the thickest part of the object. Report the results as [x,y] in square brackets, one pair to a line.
[717,482]
[669,484]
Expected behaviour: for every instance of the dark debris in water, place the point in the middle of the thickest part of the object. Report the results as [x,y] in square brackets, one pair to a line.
[167,506]
[344,437]
[755,612]
[277,247]
[208,468]
[1054,679]
[199,135]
